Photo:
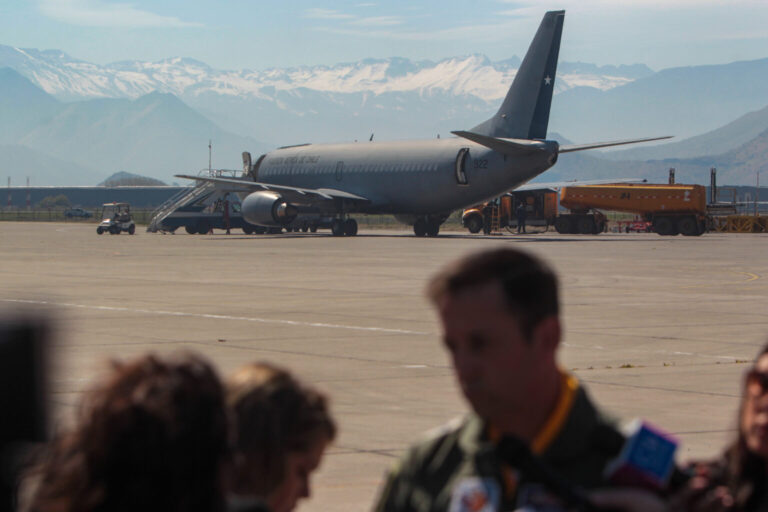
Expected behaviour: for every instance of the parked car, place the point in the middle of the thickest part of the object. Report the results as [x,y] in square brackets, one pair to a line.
[77,212]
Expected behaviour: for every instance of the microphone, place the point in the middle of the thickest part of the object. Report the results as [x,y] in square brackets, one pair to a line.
[646,459]
[517,454]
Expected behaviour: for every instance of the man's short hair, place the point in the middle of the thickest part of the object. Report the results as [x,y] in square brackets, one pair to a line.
[530,285]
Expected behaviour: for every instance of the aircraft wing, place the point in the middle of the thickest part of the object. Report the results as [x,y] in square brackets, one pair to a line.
[292,194]
[557,185]
[595,145]
[519,147]
[513,147]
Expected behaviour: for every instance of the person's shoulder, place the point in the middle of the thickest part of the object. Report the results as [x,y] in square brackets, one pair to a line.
[435,443]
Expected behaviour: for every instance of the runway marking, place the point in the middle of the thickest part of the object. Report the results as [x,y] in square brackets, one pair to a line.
[337,326]
[218,317]
[657,351]
[750,277]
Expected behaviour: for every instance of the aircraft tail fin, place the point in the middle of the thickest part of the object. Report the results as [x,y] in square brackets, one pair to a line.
[525,111]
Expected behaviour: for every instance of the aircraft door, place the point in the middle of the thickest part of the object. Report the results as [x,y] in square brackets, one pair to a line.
[255,167]
[339,170]
[461,166]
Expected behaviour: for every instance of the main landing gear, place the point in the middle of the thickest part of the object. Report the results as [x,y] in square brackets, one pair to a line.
[344,227]
[425,226]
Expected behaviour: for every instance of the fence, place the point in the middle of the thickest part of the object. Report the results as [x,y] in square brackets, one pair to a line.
[139,216]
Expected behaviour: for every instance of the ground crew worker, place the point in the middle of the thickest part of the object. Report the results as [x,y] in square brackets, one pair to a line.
[500,322]
[226,212]
[521,215]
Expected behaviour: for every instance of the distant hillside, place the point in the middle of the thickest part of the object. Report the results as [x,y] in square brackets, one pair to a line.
[718,141]
[22,105]
[741,165]
[157,134]
[127,179]
[736,167]
[683,101]
[20,162]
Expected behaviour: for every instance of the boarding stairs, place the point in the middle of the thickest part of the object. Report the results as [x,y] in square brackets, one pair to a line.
[175,202]
[495,220]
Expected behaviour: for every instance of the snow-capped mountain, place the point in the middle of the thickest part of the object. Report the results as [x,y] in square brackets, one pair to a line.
[67,78]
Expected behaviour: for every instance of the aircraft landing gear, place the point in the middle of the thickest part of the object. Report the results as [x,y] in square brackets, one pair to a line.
[344,227]
[350,227]
[337,227]
[426,227]
[420,227]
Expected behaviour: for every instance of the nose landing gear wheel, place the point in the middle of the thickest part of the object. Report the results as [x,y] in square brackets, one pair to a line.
[420,227]
[337,227]
[350,227]
[433,228]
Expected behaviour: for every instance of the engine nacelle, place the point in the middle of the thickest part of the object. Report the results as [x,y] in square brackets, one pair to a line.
[268,209]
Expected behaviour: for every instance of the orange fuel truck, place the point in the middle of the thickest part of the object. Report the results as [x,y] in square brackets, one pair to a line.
[671,209]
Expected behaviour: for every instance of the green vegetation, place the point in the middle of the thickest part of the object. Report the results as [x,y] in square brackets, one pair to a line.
[54,202]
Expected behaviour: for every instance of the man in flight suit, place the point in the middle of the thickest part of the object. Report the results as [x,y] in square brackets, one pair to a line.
[499,314]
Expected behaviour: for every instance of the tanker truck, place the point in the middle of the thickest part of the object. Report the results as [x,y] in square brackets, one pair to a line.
[671,209]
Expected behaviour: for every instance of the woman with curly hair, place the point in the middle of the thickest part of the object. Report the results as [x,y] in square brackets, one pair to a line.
[281,430]
[151,437]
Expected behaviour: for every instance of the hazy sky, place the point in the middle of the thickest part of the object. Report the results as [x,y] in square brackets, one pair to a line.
[259,34]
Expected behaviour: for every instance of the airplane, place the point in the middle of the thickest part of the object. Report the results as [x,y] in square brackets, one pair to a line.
[420,182]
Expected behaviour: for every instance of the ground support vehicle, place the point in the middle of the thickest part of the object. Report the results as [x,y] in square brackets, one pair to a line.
[77,213]
[116,218]
[671,209]
[490,217]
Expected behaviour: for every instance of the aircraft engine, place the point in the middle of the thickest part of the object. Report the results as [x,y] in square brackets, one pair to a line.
[268,209]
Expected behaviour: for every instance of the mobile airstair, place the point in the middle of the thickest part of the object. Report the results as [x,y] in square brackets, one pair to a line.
[188,203]
[179,200]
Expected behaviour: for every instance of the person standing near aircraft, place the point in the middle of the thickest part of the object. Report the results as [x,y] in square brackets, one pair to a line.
[521,214]
[499,313]
[226,205]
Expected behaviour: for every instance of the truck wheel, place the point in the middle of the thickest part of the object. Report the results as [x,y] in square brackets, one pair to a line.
[192,230]
[313,228]
[247,230]
[563,225]
[474,224]
[688,226]
[586,225]
[132,229]
[664,226]
[337,227]
[100,230]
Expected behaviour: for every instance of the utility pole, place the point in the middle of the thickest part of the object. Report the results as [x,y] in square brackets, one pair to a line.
[757,191]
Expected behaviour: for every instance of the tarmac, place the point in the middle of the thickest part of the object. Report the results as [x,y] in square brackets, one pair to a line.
[660,328]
